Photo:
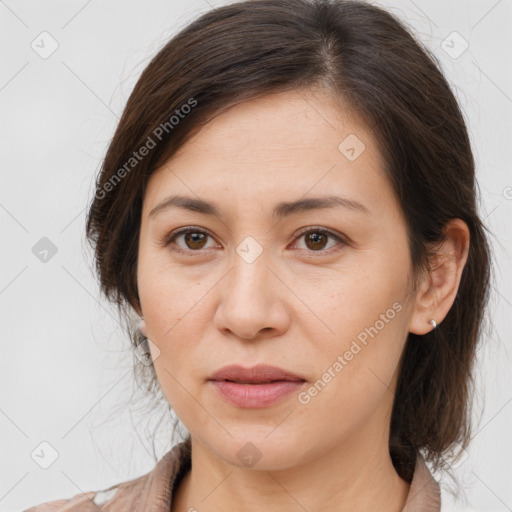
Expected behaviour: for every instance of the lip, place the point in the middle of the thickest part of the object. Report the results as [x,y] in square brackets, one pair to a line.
[255,374]
[255,387]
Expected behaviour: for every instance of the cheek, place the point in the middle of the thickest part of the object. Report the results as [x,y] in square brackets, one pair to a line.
[368,295]
[354,379]
[173,319]
[167,294]
[366,312]
[174,304]
[177,365]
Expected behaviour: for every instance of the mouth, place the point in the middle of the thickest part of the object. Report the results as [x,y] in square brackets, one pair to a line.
[256,387]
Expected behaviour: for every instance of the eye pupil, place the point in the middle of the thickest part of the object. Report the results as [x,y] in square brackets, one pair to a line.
[315,238]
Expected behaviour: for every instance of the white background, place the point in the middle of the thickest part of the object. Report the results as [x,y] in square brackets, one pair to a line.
[65,364]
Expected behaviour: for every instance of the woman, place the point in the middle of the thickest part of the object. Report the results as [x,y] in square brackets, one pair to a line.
[289,205]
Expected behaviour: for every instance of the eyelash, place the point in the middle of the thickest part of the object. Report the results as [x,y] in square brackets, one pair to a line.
[172,236]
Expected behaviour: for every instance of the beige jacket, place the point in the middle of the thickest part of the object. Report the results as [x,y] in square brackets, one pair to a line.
[152,492]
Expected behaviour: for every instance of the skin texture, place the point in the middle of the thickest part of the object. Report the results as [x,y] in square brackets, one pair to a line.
[297,306]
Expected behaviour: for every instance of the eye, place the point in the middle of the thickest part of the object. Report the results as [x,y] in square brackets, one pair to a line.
[316,238]
[194,239]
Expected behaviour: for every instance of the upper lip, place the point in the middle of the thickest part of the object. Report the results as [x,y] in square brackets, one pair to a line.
[258,373]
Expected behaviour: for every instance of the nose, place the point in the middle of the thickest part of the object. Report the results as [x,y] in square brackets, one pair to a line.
[253,301]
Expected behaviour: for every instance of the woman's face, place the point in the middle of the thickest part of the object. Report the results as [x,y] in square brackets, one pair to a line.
[267,286]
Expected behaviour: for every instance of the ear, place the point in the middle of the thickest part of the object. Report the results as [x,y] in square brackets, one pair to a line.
[438,288]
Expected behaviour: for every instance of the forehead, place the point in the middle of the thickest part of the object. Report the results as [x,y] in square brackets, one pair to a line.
[279,145]
[291,122]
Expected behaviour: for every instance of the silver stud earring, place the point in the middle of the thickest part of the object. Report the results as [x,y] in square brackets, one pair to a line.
[433,323]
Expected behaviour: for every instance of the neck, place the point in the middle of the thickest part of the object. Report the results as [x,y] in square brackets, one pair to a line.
[355,477]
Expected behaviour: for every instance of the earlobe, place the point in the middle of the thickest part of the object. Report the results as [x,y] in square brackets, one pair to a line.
[440,285]
[141,326]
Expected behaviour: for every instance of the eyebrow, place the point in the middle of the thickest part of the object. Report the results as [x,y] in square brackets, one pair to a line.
[281,210]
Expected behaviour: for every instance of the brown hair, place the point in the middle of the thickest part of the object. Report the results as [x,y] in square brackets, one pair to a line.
[369,59]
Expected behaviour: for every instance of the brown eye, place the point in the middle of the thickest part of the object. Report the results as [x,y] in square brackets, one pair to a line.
[317,239]
[194,240]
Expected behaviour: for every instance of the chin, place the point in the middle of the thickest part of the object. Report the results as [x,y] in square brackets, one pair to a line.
[259,449]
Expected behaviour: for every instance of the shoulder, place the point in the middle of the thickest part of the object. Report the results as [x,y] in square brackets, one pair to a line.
[149,491]
[121,496]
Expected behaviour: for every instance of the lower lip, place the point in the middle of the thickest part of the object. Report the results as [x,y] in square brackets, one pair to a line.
[255,395]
